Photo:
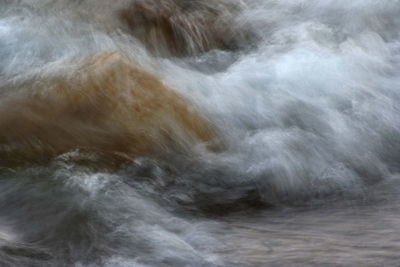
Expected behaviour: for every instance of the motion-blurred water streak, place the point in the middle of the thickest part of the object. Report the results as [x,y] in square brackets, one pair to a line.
[294,161]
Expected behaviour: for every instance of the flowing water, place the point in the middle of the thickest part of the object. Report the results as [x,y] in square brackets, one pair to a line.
[305,95]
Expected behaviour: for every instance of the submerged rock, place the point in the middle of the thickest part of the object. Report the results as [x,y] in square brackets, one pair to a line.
[186,28]
[102,102]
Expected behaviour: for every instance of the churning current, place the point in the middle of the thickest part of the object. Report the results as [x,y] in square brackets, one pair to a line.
[199,133]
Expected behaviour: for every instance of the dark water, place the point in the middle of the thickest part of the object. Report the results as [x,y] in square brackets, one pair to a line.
[304,94]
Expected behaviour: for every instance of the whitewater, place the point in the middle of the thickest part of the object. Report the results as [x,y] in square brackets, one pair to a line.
[199,133]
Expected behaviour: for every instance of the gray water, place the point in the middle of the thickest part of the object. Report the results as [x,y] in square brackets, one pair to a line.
[307,103]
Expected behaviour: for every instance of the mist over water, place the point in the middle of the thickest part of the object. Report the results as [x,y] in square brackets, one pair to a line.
[303,95]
